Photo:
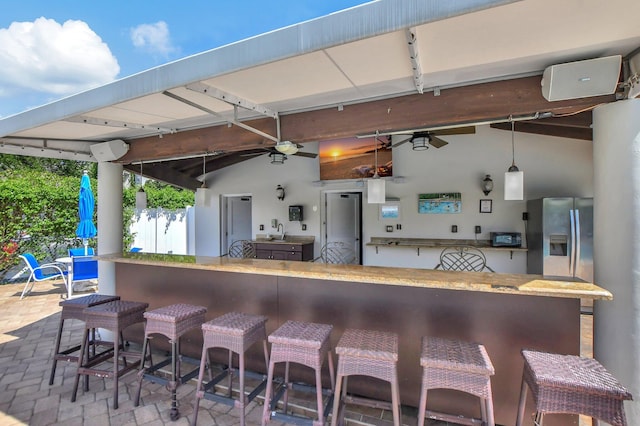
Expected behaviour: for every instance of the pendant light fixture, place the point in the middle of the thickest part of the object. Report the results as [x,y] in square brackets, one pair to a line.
[376,185]
[141,196]
[202,199]
[513,178]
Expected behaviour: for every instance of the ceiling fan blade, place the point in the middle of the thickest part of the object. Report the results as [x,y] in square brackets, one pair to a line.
[437,142]
[306,154]
[468,130]
[402,142]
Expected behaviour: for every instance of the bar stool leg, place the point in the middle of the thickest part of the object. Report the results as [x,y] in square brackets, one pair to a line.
[241,398]
[521,404]
[174,414]
[337,401]
[489,409]
[230,373]
[55,352]
[395,400]
[423,406]
[319,395]
[286,384]
[136,401]
[266,411]
[83,348]
[116,354]
[199,390]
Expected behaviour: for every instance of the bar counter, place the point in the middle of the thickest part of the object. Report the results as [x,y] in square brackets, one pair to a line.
[505,312]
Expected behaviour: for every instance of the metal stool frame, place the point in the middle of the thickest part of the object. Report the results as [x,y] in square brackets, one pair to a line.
[459,365]
[303,343]
[172,322]
[113,316]
[236,332]
[367,353]
[74,309]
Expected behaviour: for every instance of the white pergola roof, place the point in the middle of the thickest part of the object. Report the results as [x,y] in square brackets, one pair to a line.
[350,56]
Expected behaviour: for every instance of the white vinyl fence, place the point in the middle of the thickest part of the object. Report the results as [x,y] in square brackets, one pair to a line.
[163,231]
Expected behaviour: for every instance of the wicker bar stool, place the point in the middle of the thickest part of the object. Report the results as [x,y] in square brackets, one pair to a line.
[459,365]
[367,353]
[303,343]
[573,385]
[236,332]
[74,309]
[113,316]
[172,322]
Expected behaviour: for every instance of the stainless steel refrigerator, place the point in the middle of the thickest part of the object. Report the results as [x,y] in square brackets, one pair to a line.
[560,237]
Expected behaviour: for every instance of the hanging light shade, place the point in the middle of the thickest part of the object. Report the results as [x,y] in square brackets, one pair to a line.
[277,158]
[202,193]
[141,196]
[376,186]
[420,142]
[513,178]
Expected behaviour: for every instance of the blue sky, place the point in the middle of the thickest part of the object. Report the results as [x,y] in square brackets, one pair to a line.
[50,49]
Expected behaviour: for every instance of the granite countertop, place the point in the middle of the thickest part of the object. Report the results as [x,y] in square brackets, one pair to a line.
[518,284]
[435,243]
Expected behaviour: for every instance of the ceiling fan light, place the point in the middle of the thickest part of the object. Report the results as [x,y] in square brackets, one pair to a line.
[286,147]
[277,158]
[420,143]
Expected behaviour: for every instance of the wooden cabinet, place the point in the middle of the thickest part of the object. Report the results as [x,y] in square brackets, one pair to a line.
[284,251]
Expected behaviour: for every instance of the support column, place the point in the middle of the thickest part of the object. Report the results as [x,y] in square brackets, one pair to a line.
[109,222]
[616,162]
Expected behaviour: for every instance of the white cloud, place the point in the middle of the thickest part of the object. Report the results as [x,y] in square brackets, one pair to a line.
[153,38]
[47,57]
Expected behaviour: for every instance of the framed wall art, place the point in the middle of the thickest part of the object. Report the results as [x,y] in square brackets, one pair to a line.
[486,206]
[440,202]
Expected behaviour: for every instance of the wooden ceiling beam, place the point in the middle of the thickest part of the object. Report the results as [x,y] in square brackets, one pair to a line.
[474,103]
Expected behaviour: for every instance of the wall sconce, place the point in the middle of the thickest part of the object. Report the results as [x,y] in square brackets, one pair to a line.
[141,196]
[280,192]
[513,178]
[487,185]
[277,158]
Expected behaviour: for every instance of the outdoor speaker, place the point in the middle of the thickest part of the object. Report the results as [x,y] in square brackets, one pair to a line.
[581,79]
[109,151]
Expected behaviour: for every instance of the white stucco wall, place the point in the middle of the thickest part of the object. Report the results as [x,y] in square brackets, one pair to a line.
[552,167]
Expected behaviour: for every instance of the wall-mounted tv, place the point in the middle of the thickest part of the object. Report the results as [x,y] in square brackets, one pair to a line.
[354,158]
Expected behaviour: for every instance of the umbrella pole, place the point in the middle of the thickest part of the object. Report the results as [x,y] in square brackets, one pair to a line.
[86,244]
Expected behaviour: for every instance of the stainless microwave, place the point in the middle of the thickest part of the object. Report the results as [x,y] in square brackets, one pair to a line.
[506,239]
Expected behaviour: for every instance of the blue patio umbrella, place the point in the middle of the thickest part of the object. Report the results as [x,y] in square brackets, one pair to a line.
[86,205]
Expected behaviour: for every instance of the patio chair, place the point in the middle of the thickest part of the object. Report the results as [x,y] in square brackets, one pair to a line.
[463,258]
[79,251]
[83,268]
[47,271]
[337,252]
[242,249]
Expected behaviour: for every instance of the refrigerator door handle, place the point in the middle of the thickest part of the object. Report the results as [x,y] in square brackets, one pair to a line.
[572,254]
[577,241]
